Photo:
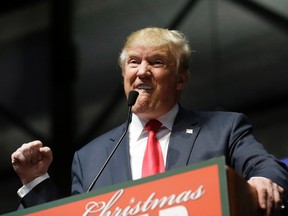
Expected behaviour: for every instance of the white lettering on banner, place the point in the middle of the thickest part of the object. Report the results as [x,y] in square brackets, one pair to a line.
[174,211]
[141,207]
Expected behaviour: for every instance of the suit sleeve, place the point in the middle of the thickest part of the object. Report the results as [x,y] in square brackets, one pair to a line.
[249,157]
[44,192]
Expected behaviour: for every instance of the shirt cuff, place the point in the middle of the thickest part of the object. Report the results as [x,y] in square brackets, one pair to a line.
[25,189]
[259,177]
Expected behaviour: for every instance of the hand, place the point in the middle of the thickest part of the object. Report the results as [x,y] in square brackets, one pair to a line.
[270,195]
[31,160]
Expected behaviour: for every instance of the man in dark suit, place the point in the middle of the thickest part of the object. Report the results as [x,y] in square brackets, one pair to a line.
[154,62]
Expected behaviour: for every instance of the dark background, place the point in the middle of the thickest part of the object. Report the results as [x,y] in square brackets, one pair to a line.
[60,81]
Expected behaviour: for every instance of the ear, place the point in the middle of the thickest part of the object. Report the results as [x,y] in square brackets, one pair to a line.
[182,79]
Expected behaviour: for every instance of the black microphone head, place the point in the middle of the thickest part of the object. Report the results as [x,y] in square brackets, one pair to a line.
[132,97]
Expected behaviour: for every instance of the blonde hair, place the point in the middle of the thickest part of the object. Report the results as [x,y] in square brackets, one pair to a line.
[154,36]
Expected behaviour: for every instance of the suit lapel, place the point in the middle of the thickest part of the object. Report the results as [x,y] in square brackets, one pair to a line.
[183,136]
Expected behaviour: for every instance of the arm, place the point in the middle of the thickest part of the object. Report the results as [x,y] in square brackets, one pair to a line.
[45,191]
[262,170]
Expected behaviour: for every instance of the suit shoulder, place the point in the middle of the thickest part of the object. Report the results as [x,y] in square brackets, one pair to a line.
[221,117]
[219,114]
[103,140]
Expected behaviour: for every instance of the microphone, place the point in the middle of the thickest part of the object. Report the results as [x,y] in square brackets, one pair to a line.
[132,97]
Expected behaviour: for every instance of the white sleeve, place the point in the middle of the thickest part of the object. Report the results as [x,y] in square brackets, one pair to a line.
[25,189]
[259,177]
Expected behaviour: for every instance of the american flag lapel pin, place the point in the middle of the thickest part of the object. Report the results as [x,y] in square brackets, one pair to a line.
[189,131]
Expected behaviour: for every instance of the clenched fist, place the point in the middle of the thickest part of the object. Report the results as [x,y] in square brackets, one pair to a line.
[31,160]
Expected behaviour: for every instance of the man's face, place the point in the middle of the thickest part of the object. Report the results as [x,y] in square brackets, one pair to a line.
[152,71]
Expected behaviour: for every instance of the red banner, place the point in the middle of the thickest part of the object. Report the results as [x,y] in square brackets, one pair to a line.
[187,193]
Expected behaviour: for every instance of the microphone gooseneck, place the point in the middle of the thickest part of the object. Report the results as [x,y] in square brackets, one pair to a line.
[132,97]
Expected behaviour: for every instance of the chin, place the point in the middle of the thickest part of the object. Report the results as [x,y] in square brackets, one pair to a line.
[136,109]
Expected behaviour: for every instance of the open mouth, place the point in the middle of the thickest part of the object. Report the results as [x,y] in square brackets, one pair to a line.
[144,87]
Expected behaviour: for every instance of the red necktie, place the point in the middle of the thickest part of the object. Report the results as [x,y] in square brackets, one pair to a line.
[153,162]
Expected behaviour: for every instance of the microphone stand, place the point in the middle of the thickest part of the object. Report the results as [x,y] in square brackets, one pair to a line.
[131,95]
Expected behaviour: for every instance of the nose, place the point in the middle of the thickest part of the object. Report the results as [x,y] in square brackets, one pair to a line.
[143,69]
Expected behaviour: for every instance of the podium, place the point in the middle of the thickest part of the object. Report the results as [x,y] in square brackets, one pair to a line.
[208,188]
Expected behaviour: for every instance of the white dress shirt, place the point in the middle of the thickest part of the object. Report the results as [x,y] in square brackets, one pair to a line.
[138,139]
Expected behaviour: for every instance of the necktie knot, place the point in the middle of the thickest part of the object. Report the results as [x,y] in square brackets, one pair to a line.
[153,125]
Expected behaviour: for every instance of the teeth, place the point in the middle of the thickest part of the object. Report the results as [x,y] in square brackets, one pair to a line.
[145,87]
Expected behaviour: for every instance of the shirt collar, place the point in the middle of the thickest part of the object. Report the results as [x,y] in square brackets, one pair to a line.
[137,124]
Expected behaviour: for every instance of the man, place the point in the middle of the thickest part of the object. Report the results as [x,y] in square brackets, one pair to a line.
[154,62]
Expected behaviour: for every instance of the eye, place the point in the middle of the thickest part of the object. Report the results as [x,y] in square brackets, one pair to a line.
[133,62]
[158,63]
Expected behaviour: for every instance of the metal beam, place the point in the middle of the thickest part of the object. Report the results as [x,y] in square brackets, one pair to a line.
[63,75]
[270,16]
[21,123]
[182,14]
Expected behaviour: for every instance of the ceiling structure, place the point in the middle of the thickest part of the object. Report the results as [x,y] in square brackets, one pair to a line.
[61,82]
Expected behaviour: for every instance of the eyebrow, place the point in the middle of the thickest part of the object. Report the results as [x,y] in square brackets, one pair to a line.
[153,54]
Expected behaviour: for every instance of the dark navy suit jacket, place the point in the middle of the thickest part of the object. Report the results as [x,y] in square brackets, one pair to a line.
[209,135]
